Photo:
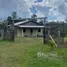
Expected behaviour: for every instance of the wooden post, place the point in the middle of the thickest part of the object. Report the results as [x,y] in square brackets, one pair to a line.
[59,37]
[12,31]
[53,40]
[45,32]
[63,34]
[2,34]
[44,35]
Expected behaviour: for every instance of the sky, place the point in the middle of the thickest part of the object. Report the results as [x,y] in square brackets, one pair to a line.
[52,9]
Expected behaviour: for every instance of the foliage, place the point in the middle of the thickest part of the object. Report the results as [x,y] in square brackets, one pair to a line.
[51,43]
[33,17]
[9,20]
[3,26]
[14,14]
[65,29]
[41,22]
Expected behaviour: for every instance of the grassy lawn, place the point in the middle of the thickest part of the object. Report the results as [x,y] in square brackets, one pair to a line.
[23,53]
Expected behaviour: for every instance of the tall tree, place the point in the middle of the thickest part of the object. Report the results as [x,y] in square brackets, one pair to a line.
[34,16]
[9,19]
[14,14]
[11,23]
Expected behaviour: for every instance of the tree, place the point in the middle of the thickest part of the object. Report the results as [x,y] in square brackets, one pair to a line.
[14,14]
[41,21]
[11,23]
[9,20]
[34,16]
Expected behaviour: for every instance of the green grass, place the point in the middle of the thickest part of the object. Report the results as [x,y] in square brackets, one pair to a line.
[23,53]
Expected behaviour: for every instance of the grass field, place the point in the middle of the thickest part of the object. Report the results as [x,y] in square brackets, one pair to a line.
[23,53]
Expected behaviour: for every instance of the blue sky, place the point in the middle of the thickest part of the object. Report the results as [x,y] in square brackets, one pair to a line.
[33,10]
[53,9]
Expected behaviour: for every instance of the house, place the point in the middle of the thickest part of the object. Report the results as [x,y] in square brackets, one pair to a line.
[29,28]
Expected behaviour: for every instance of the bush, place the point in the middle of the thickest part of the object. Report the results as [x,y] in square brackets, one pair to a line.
[51,44]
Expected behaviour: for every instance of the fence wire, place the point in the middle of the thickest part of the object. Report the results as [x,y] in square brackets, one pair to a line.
[56,30]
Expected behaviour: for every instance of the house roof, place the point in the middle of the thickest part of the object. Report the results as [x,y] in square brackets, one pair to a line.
[29,24]
[18,23]
[22,26]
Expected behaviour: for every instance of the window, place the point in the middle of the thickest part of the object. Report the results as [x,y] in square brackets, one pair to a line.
[24,30]
[31,30]
[39,30]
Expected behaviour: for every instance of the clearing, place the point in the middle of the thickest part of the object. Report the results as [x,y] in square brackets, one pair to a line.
[23,53]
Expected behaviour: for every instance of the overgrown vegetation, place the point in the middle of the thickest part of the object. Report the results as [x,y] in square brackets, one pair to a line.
[23,53]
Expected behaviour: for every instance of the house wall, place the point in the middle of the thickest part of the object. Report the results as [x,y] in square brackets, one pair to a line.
[19,32]
[40,33]
[27,33]
[34,34]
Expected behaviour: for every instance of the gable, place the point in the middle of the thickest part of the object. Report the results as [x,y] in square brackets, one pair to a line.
[30,23]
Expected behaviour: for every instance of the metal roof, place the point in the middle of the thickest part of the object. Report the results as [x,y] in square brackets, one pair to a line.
[22,26]
[20,22]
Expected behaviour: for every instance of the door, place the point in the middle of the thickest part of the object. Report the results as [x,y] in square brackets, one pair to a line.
[31,32]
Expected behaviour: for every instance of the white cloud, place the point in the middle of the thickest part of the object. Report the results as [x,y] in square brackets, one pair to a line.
[60,19]
[44,8]
[21,6]
[56,3]
[47,6]
[39,14]
[54,14]
[50,3]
